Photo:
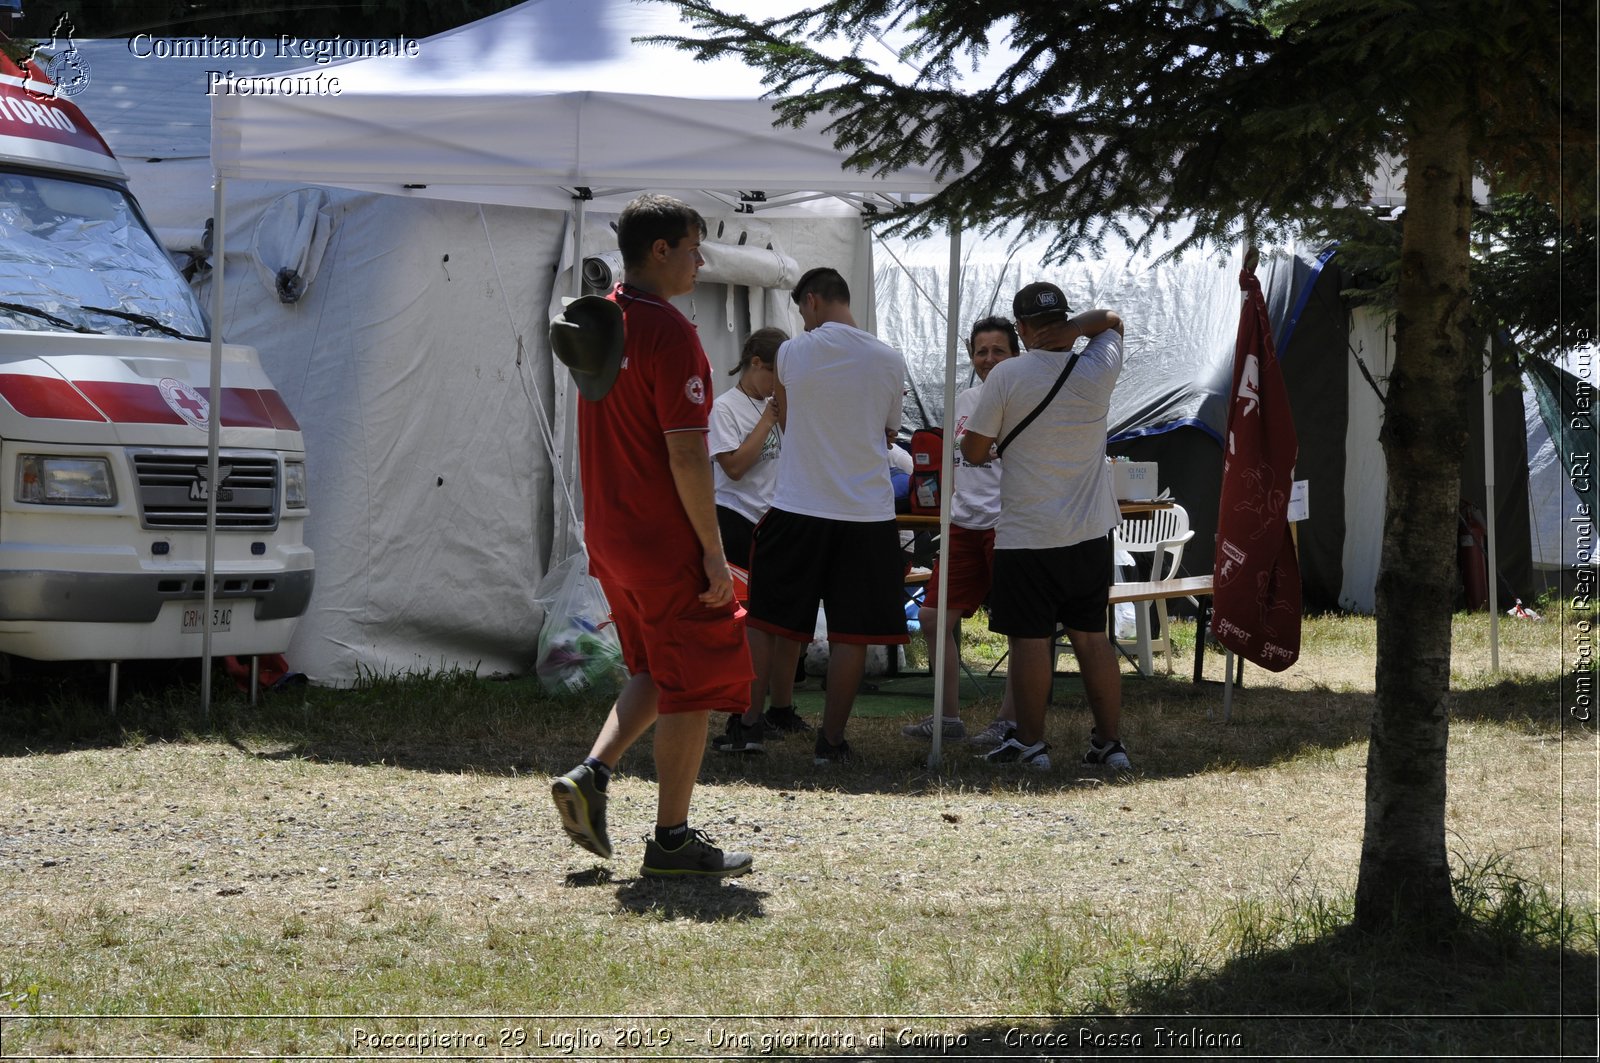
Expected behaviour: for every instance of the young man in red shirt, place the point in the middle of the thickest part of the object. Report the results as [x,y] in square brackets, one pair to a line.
[650,526]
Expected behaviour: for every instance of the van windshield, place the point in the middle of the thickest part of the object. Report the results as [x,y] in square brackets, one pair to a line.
[77,256]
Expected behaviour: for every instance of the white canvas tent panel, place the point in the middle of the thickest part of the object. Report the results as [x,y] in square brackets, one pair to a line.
[1180,316]
[1555,513]
[1366,477]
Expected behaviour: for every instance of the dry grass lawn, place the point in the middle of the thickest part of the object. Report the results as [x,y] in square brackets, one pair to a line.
[340,860]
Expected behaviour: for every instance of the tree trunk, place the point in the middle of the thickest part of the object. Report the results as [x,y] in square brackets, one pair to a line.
[1404,882]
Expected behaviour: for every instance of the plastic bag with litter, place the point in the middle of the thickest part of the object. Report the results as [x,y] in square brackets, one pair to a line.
[578,645]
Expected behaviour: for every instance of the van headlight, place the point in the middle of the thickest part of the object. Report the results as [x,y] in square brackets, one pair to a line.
[57,480]
[294,484]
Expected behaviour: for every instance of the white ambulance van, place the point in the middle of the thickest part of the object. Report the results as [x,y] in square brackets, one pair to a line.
[104,378]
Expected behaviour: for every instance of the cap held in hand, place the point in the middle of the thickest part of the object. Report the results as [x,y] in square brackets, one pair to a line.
[587,337]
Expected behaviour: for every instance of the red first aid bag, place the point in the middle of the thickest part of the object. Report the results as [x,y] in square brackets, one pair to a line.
[927,460]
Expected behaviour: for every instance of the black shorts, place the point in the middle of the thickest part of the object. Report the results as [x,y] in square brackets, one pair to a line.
[737,536]
[854,569]
[1036,589]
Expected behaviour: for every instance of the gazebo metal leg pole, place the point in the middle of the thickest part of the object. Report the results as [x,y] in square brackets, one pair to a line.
[952,341]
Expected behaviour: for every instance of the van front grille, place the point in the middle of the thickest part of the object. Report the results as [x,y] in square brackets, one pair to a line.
[173,489]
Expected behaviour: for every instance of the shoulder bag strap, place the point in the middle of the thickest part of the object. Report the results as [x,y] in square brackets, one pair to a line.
[1026,421]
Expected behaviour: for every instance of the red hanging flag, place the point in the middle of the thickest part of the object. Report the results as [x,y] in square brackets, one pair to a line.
[1256,576]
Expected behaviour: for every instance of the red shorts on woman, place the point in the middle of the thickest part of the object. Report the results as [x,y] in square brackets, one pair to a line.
[970,558]
[697,655]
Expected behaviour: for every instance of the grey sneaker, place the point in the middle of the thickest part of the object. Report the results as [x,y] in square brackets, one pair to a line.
[739,738]
[1036,756]
[1103,754]
[993,735]
[695,858]
[583,810]
[923,728]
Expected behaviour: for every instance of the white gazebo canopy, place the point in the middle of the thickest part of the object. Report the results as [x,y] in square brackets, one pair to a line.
[515,108]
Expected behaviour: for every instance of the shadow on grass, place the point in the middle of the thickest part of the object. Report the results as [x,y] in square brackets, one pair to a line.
[454,721]
[1484,994]
[702,902]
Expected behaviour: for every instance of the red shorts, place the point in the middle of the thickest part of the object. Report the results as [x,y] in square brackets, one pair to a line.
[971,560]
[698,656]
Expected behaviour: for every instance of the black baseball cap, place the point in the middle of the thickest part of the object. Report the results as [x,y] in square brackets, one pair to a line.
[1038,299]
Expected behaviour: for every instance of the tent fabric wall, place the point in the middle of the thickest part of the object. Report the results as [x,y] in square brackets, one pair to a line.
[1558,395]
[1183,316]
[1313,357]
[1365,485]
[1558,405]
[1513,540]
[414,362]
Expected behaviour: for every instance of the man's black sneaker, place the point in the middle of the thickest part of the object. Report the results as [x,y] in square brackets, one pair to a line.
[784,720]
[1036,756]
[583,810]
[695,858]
[828,753]
[739,738]
[1103,754]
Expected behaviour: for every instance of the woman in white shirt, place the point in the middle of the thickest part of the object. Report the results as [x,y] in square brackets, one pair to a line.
[974,512]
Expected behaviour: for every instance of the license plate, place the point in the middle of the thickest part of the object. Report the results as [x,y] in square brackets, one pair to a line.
[194,619]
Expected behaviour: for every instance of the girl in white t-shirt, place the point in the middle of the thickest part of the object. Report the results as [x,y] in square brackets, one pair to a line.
[744,441]
[974,512]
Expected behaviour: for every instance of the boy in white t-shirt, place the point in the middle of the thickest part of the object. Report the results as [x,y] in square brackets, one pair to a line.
[830,535]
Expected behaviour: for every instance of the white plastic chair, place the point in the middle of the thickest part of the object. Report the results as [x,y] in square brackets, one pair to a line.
[1161,534]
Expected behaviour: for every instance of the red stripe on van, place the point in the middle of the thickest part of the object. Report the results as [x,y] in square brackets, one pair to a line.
[281,417]
[244,408]
[127,403]
[130,403]
[48,397]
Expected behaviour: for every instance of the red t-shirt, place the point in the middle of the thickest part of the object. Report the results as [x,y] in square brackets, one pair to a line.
[634,523]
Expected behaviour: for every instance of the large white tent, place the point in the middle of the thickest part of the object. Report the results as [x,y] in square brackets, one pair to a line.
[552,105]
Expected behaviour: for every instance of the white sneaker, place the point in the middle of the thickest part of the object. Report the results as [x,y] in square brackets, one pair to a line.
[1036,756]
[1107,754]
[923,728]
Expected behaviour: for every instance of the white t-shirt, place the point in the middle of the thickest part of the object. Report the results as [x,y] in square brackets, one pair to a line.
[844,388]
[976,503]
[1055,489]
[733,417]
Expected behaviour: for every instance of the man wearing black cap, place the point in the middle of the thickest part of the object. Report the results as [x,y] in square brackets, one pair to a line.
[1052,558]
